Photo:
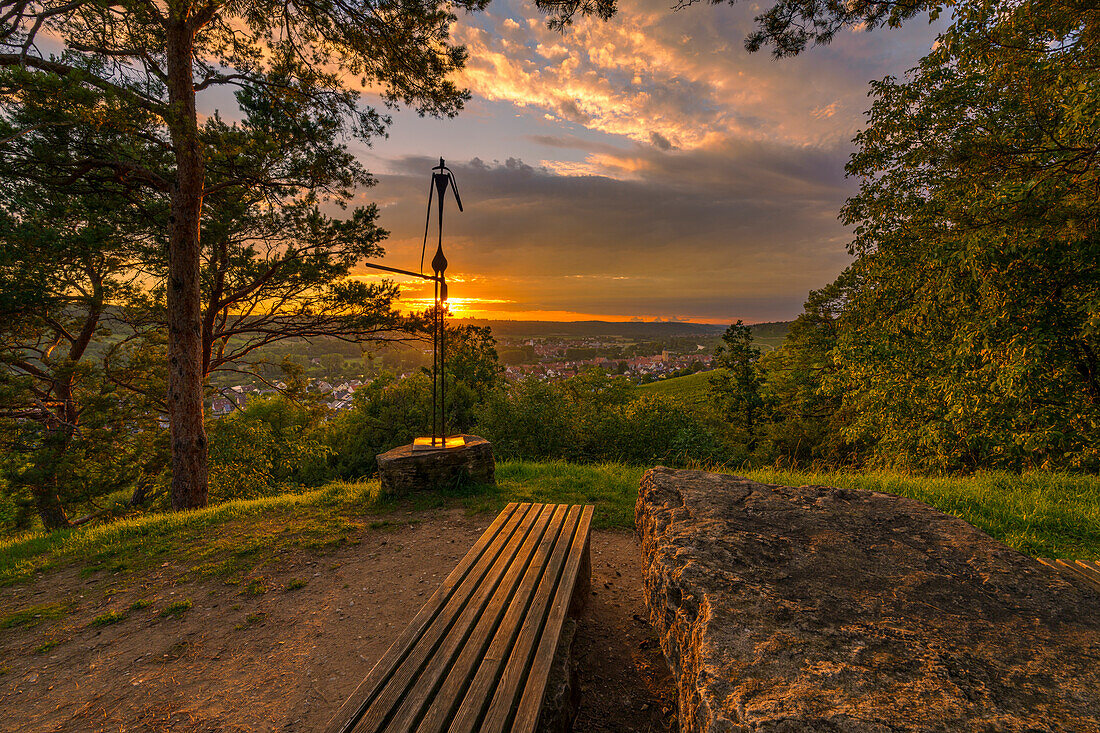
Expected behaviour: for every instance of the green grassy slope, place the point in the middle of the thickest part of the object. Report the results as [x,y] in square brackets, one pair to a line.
[1048,515]
[690,390]
[1040,514]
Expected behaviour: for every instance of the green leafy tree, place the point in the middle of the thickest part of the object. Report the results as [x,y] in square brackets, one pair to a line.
[273,445]
[68,270]
[149,62]
[736,385]
[805,424]
[967,336]
[472,360]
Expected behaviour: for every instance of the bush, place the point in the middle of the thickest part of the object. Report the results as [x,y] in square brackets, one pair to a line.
[385,414]
[271,446]
[656,430]
[529,420]
[596,418]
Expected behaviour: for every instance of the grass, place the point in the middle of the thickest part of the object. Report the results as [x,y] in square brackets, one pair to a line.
[108,618]
[175,609]
[1049,515]
[690,390]
[255,587]
[611,487]
[221,540]
[33,615]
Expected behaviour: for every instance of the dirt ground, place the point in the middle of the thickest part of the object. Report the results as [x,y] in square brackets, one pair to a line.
[276,655]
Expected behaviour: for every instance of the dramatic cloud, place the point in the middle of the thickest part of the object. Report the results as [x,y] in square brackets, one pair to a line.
[664,172]
[689,235]
[683,77]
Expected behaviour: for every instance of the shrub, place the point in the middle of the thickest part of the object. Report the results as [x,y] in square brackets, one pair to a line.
[385,414]
[529,420]
[266,448]
[594,418]
[106,619]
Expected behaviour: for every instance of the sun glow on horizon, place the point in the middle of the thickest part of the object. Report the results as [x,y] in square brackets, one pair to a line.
[416,297]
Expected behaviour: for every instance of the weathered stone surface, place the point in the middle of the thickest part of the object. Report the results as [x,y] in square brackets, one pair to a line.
[823,609]
[403,470]
[562,698]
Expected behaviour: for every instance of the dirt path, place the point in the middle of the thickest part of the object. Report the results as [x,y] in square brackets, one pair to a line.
[274,654]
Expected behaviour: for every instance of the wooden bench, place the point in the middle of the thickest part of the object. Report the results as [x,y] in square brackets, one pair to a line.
[1083,571]
[478,654]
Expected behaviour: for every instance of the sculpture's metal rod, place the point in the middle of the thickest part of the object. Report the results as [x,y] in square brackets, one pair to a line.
[442,369]
[401,272]
[435,364]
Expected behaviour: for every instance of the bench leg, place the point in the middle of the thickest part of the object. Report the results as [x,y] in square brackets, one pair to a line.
[583,588]
[562,697]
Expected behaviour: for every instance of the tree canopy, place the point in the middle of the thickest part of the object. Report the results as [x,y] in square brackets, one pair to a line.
[965,332]
[122,79]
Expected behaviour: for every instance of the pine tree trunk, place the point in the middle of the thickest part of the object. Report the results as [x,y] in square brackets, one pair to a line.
[59,436]
[49,507]
[185,376]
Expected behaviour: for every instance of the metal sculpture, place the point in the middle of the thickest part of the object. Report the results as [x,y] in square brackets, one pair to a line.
[442,180]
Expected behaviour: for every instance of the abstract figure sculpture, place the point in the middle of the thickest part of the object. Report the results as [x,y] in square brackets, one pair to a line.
[442,180]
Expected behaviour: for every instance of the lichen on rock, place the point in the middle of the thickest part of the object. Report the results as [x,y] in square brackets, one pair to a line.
[824,609]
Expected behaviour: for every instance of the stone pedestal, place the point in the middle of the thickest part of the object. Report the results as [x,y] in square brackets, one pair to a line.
[404,470]
[817,609]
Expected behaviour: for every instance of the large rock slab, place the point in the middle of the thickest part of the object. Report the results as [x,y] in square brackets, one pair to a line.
[823,609]
[403,470]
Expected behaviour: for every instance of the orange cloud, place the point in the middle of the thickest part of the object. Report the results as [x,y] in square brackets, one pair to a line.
[680,76]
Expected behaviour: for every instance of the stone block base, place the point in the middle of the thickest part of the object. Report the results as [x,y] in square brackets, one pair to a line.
[404,470]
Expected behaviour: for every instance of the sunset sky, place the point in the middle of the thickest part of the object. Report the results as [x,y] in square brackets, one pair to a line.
[646,167]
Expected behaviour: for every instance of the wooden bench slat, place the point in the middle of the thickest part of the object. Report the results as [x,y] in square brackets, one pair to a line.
[527,716]
[469,688]
[1071,569]
[1090,568]
[385,704]
[478,558]
[478,621]
[529,666]
[506,681]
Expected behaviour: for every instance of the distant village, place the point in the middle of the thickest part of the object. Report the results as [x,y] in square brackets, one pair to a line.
[553,362]
[547,359]
[338,396]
